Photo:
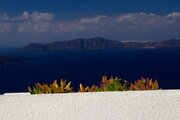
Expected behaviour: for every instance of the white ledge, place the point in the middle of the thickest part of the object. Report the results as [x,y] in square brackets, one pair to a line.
[22,93]
[130,105]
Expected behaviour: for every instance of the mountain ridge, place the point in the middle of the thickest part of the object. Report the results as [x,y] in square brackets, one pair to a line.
[98,43]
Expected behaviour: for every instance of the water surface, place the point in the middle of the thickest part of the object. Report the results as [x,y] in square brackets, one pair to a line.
[87,67]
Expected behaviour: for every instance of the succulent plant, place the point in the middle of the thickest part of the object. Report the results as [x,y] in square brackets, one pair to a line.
[93,88]
[87,89]
[62,87]
[82,89]
[144,84]
[113,84]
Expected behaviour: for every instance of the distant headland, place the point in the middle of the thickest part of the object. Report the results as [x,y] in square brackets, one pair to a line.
[5,59]
[99,43]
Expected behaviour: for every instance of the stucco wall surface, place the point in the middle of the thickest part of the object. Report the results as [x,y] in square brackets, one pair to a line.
[130,105]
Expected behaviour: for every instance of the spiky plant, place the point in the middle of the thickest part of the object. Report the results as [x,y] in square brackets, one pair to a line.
[144,84]
[93,88]
[62,87]
[87,89]
[83,89]
[113,84]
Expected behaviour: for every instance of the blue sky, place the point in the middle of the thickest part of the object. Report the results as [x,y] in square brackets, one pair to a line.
[26,21]
[79,8]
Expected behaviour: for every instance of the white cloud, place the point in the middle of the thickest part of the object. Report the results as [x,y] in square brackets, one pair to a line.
[66,27]
[26,22]
[24,16]
[38,16]
[174,15]
[131,25]
[92,20]
[32,27]
[34,16]
[6,27]
[4,16]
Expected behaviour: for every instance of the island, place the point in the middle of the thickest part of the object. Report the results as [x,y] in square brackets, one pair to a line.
[5,59]
[99,43]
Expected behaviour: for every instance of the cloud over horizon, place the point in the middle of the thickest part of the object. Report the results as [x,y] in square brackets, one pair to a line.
[130,26]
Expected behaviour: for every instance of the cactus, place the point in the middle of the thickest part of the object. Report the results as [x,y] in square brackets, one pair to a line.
[113,84]
[62,87]
[144,84]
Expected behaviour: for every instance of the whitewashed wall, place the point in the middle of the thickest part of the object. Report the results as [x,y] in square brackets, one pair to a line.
[136,105]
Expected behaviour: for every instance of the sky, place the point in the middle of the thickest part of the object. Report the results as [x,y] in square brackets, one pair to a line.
[28,21]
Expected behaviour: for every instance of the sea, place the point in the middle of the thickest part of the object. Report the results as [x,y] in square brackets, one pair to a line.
[88,66]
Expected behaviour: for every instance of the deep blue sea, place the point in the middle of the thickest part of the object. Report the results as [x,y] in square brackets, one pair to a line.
[87,67]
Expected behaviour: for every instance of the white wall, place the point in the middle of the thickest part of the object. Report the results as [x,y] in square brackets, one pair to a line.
[136,105]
